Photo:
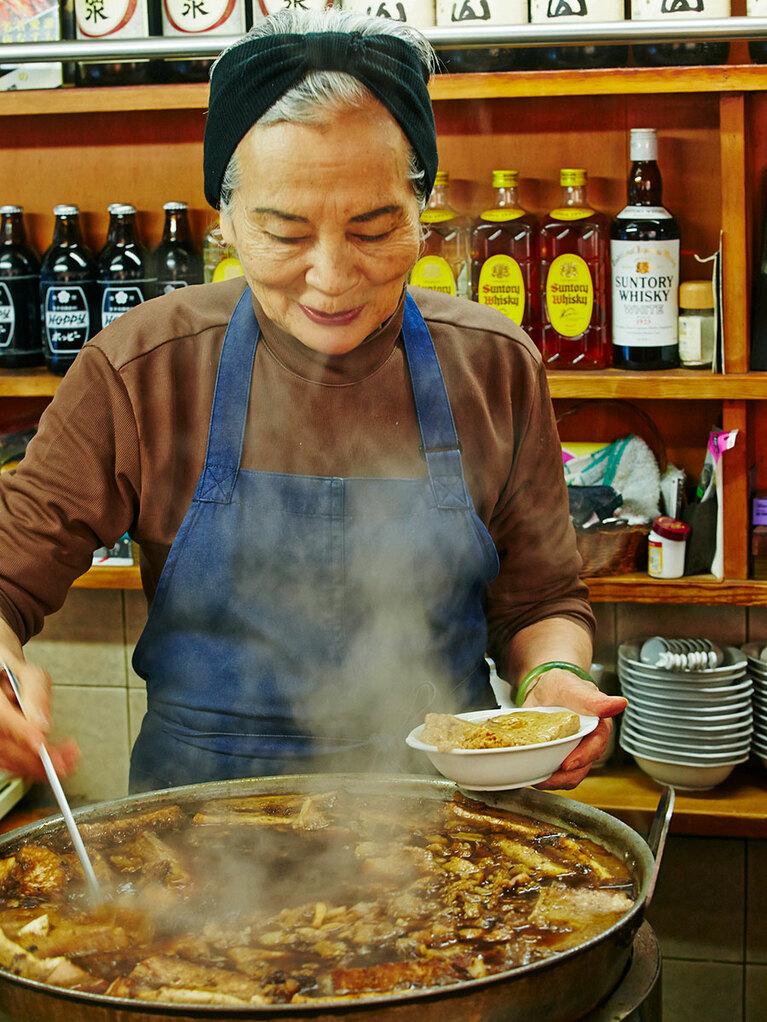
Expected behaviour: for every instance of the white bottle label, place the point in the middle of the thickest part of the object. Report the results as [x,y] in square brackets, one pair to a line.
[575,10]
[117,19]
[690,339]
[211,17]
[7,317]
[757,8]
[272,6]
[419,13]
[66,317]
[468,13]
[645,279]
[644,213]
[652,10]
[655,558]
[117,299]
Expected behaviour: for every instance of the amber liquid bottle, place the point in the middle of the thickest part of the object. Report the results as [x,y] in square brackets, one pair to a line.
[504,257]
[123,266]
[176,262]
[19,294]
[445,259]
[574,241]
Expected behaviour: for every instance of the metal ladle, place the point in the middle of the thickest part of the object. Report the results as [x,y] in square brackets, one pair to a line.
[97,895]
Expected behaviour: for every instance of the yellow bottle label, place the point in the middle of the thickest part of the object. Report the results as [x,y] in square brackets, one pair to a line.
[501,216]
[437,216]
[571,213]
[569,295]
[434,272]
[227,268]
[501,285]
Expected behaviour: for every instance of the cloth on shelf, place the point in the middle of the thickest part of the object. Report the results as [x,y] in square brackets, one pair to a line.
[627,465]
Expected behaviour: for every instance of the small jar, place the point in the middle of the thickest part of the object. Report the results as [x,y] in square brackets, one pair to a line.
[666,546]
[696,324]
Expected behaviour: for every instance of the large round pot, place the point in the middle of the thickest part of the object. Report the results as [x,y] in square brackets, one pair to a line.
[558,989]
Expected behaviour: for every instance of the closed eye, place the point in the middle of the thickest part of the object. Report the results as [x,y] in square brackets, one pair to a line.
[372,237]
[287,240]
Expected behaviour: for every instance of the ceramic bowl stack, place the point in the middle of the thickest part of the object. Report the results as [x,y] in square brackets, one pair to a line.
[756,652]
[689,719]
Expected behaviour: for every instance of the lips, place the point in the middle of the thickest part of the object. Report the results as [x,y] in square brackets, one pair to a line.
[331,319]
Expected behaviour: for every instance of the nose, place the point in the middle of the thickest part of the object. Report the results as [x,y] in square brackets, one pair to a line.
[333,267]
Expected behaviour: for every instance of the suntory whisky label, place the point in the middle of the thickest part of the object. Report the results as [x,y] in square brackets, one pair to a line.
[117,299]
[569,295]
[436,216]
[481,12]
[418,13]
[653,10]
[645,291]
[65,318]
[644,213]
[502,216]
[571,213]
[502,285]
[7,316]
[117,19]
[434,272]
[196,17]
[576,10]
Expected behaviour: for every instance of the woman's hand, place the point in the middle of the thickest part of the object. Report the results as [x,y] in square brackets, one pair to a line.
[561,688]
[20,738]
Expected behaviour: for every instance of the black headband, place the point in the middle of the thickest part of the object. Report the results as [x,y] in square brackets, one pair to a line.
[251,77]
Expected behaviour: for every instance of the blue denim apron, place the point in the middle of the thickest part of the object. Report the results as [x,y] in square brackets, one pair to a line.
[306,623]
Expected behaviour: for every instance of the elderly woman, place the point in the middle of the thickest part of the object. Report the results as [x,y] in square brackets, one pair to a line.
[345,493]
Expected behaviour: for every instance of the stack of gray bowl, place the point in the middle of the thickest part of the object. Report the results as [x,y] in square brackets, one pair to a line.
[687,726]
[756,653]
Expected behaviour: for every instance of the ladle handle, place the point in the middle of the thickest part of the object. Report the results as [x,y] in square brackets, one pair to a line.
[658,834]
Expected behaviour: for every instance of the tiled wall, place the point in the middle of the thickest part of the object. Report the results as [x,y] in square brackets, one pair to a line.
[710,908]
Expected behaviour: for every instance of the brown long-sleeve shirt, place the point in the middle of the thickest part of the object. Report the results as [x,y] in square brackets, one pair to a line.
[121,446]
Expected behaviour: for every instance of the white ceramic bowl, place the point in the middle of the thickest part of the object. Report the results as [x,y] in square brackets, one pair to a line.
[686,778]
[734,663]
[672,754]
[499,769]
[702,713]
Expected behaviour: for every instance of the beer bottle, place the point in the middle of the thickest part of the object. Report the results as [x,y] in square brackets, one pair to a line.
[19,294]
[122,268]
[680,53]
[176,260]
[644,255]
[578,12]
[469,14]
[757,48]
[504,257]
[206,18]
[444,265]
[68,292]
[574,273]
[115,19]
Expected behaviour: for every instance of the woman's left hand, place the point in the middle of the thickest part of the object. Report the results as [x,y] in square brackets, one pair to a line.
[561,688]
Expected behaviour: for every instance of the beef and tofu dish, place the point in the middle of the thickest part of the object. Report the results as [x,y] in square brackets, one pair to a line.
[272,899]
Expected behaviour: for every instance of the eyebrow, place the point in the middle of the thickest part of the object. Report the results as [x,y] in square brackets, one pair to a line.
[363,218]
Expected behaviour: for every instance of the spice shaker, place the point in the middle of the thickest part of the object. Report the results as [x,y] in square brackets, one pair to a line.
[696,324]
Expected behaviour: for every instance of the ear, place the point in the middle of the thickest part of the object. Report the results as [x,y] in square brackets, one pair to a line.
[227,230]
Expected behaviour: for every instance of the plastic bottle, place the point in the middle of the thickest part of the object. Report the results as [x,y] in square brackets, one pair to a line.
[123,271]
[176,262]
[666,547]
[445,264]
[476,13]
[680,53]
[578,12]
[574,242]
[504,257]
[644,255]
[19,294]
[697,324]
[68,292]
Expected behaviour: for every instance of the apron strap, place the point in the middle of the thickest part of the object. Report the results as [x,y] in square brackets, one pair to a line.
[231,396]
[439,437]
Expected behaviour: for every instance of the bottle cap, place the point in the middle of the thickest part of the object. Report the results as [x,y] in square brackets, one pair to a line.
[671,528]
[442,177]
[121,209]
[644,144]
[570,177]
[505,178]
[174,206]
[65,210]
[696,294]
[5,210]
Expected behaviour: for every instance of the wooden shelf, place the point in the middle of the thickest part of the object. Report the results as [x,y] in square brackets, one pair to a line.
[106,577]
[736,808]
[697,589]
[509,84]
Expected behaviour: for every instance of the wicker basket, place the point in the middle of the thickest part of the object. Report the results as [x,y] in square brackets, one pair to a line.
[618,548]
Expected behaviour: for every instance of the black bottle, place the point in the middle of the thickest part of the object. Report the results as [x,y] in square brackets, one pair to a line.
[680,54]
[644,260]
[176,262]
[122,269]
[19,294]
[68,292]
[759,307]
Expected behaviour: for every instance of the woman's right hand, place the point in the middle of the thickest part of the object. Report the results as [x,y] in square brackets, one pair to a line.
[21,737]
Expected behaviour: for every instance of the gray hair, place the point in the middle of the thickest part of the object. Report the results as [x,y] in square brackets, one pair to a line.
[321,92]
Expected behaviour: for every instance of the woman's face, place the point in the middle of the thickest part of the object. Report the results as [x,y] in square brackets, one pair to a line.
[326,225]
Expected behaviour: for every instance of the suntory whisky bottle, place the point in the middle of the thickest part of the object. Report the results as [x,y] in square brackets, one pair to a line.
[444,265]
[644,257]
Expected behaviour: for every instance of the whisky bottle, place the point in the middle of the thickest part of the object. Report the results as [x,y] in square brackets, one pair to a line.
[444,265]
